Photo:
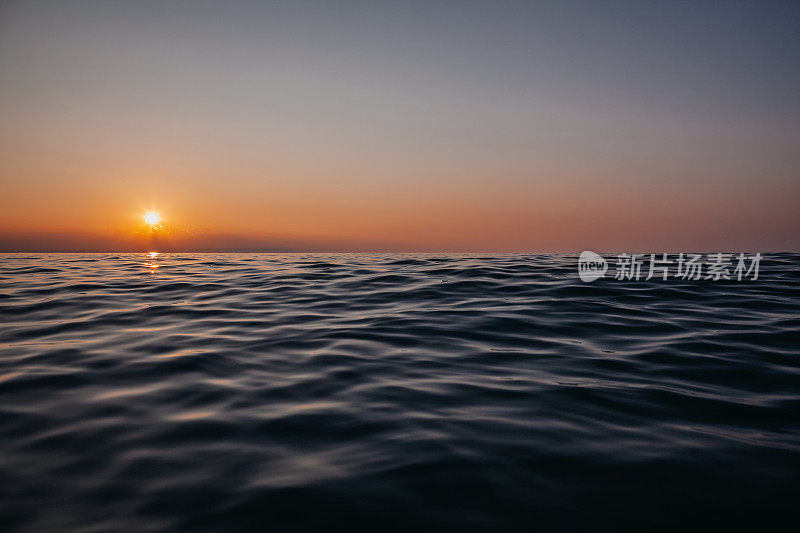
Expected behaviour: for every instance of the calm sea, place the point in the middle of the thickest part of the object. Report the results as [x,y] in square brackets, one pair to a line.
[210,392]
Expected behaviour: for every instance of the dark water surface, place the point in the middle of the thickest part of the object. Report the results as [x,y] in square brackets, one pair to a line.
[214,392]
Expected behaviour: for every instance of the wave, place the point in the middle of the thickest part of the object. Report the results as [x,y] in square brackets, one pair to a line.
[299,391]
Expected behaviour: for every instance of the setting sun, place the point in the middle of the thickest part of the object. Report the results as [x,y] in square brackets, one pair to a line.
[152,218]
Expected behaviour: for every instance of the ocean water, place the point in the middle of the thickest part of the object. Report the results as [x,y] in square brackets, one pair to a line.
[211,392]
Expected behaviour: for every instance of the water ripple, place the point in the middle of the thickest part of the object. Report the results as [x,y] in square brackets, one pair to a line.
[246,391]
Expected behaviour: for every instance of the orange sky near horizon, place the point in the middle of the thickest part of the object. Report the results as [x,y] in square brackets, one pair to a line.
[444,215]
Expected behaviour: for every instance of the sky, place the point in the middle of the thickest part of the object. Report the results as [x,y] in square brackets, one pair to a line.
[400,126]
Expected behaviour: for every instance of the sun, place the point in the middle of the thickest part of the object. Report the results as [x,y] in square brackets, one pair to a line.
[152,218]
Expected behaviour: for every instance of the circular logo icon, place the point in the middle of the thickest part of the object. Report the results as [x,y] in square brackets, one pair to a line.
[591,266]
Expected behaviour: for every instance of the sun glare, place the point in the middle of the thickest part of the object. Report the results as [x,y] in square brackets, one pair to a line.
[152,218]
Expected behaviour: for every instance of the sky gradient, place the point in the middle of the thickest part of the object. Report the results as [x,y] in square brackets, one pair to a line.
[430,126]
